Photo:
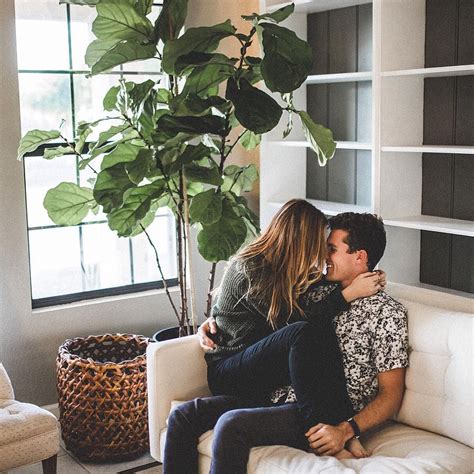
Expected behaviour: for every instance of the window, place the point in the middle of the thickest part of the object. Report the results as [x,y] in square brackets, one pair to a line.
[89,260]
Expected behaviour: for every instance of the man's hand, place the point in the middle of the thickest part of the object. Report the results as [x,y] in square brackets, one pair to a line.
[207,327]
[328,440]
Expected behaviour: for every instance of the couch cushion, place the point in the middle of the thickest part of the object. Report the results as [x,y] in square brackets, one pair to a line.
[438,383]
[19,421]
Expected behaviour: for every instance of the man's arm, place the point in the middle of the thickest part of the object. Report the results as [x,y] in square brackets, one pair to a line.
[329,440]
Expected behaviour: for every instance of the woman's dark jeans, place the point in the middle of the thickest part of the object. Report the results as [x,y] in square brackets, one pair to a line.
[305,355]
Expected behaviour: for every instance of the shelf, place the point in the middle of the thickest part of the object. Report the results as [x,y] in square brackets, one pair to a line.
[330,208]
[312,6]
[340,145]
[445,71]
[434,224]
[341,77]
[447,149]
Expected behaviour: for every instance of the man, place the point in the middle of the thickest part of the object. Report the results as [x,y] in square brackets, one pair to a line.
[372,336]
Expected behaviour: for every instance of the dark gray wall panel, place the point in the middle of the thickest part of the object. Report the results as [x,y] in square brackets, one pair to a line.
[465,37]
[463,201]
[364,111]
[364,58]
[437,176]
[440,33]
[462,273]
[317,102]
[318,38]
[465,110]
[316,178]
[435,267]
[364,177]
[438,111]
[342,110]
[342,40]
[341,169]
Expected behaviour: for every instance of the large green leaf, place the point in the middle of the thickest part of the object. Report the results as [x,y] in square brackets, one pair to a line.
[121,53]
[97,49]
[319,137]
[51,153]
[219,241]
[118,19]
[136,204]
[191,153]
[68,203]
[239,178]
[203,80]
[110,187]
[139,93]
[277,16]
[195,59]
[250,140]
[192,125]
[171,19]
[123,153]
[192,104]
[206,207]
[146,221]
[144,7]
[202,39]
[110,100]
[113,131]
[287,60]
[35,138]
[254,109]
[203,174]
[139,168]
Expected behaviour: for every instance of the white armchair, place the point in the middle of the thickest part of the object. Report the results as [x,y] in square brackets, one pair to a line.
[28,433]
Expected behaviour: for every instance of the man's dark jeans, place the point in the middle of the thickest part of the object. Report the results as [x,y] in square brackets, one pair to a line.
[305,355]
[237,428]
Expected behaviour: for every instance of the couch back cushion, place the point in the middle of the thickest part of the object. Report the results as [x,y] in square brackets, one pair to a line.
[6,389]
[439,381]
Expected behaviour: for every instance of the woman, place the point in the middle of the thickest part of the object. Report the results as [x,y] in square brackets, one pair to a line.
[257,350]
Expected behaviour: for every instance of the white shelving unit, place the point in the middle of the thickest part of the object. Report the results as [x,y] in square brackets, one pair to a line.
[397,79]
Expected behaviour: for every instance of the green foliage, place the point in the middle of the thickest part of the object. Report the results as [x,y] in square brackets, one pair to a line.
[167,142]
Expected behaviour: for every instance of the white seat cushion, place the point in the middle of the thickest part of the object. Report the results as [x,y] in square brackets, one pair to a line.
[394,448]
[27,434]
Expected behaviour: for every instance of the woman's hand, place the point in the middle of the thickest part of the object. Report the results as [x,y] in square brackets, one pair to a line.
[365,284]
[206,328]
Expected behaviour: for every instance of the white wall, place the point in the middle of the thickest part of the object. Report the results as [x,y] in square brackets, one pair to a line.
[29,339]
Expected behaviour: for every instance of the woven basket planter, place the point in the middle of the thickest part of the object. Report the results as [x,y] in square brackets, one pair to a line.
[103,397]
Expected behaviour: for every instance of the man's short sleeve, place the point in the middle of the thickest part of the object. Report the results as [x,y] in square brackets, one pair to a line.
[391,339]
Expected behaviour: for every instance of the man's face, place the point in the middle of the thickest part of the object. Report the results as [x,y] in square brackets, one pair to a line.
[342,266]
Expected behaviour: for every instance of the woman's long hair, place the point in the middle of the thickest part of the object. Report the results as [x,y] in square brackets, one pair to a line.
[286,259]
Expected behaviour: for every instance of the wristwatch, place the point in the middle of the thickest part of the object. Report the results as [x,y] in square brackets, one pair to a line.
[355,427]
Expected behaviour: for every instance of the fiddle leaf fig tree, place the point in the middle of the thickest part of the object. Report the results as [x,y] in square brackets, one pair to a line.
[166,143]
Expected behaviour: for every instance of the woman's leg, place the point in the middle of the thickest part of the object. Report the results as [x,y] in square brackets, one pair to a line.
[186,423]
[237,431]
[304,354]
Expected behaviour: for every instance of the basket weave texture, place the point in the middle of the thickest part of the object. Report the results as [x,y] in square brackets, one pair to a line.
[102,396]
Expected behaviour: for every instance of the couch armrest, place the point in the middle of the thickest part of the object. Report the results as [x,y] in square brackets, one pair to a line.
[6,389]
[176,370]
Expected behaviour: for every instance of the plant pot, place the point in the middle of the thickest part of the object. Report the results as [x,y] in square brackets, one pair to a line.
[166,334]
[102,396]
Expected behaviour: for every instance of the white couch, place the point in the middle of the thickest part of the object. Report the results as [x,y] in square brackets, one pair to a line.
[433,432]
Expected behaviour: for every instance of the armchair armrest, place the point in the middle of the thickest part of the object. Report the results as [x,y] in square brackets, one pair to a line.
[6,389]
[176,370]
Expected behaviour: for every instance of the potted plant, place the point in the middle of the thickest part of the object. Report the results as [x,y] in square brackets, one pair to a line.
[168,142]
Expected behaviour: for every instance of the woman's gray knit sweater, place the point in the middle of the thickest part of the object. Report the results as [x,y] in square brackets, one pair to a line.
[242,320]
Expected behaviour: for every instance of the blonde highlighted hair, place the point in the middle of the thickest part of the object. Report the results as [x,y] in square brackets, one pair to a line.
[286,259]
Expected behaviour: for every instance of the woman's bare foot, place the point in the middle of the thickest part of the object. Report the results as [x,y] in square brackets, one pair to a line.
[354,446]
[344,454]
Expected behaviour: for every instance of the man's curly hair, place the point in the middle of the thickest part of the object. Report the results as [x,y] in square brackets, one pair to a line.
[365,232]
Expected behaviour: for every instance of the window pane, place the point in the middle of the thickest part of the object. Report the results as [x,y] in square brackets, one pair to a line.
[81,34]
[162,233]
[55,261]
[45,101]
[89,94]
[106,258]
[41,175]
[41,31]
